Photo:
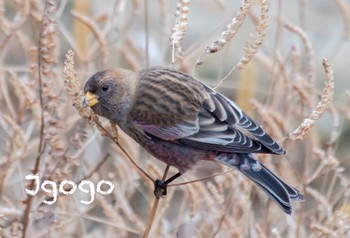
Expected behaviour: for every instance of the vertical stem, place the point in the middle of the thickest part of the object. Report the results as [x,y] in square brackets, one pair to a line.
[154,209]
[146,33]
[28,201]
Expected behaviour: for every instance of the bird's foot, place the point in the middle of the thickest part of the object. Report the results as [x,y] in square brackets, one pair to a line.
[160,188]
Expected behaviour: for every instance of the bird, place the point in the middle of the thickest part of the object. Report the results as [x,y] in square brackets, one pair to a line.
[181,121]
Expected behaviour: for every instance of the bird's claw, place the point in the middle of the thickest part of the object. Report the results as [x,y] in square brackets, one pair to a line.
[160,188]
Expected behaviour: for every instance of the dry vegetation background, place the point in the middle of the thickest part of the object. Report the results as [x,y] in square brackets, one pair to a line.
[283,82]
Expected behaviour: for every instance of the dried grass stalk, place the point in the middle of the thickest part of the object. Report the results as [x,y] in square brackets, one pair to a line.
[303,93]
[335,132]
[297,83]
[311,72]
[91,24]
[322,106]
[216,192]
[221,4]
[231,29]
[345,12]
[322,202]
[73,89]
[179,30]
[253,45]
[275,233]
[22,12]
[323,230]
[46,62]
[48,40]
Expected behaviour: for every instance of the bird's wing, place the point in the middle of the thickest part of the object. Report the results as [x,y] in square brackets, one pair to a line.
[214,124]
[166,97]
[241,130]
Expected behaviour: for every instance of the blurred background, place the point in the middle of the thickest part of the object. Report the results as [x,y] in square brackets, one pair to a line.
[41,131]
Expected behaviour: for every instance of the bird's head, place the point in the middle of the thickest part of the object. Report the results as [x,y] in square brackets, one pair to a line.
[108,92]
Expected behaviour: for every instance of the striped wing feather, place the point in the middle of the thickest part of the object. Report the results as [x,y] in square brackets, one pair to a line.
[175,107]
[226,112]
[166,97]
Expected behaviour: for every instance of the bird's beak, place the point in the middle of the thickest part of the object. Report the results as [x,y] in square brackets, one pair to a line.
[89,100]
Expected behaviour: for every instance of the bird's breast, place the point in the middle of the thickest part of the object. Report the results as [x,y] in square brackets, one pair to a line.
[169,152]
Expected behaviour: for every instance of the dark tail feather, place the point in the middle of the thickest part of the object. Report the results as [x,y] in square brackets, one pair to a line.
[278,190]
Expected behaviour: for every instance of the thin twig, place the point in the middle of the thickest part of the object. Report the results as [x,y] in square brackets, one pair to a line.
[179,30]
[200,179]
[146,34]
[228,206]
[154,208]
[345,12]
[252,46]
[231,29]
[41,146]
[124,151]
[98,166]
[322,106]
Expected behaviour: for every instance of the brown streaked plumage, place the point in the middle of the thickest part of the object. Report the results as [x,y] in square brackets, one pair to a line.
[169,103]
[182,121]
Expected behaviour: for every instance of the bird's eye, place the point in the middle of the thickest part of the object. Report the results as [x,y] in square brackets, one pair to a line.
[105,88]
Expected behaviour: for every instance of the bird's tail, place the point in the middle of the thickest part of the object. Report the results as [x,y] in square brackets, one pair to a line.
[278,190]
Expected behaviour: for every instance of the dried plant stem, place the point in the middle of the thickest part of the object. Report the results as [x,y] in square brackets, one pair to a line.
[98,166]
[322,229]
[154,208]
[311,72]
[50,7]
[200,179]
[230,32]
[322,106]
[335,132]
[146,34]
[231,29]
[227,206]
[151,217]
[345,12]
[92,25]
[252,46]
[179,29]
[142,172]
[274,72]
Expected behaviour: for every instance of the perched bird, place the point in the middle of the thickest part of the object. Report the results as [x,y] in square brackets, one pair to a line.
[181,121]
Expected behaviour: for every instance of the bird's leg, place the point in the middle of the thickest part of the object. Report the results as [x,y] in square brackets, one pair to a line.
[160,186]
